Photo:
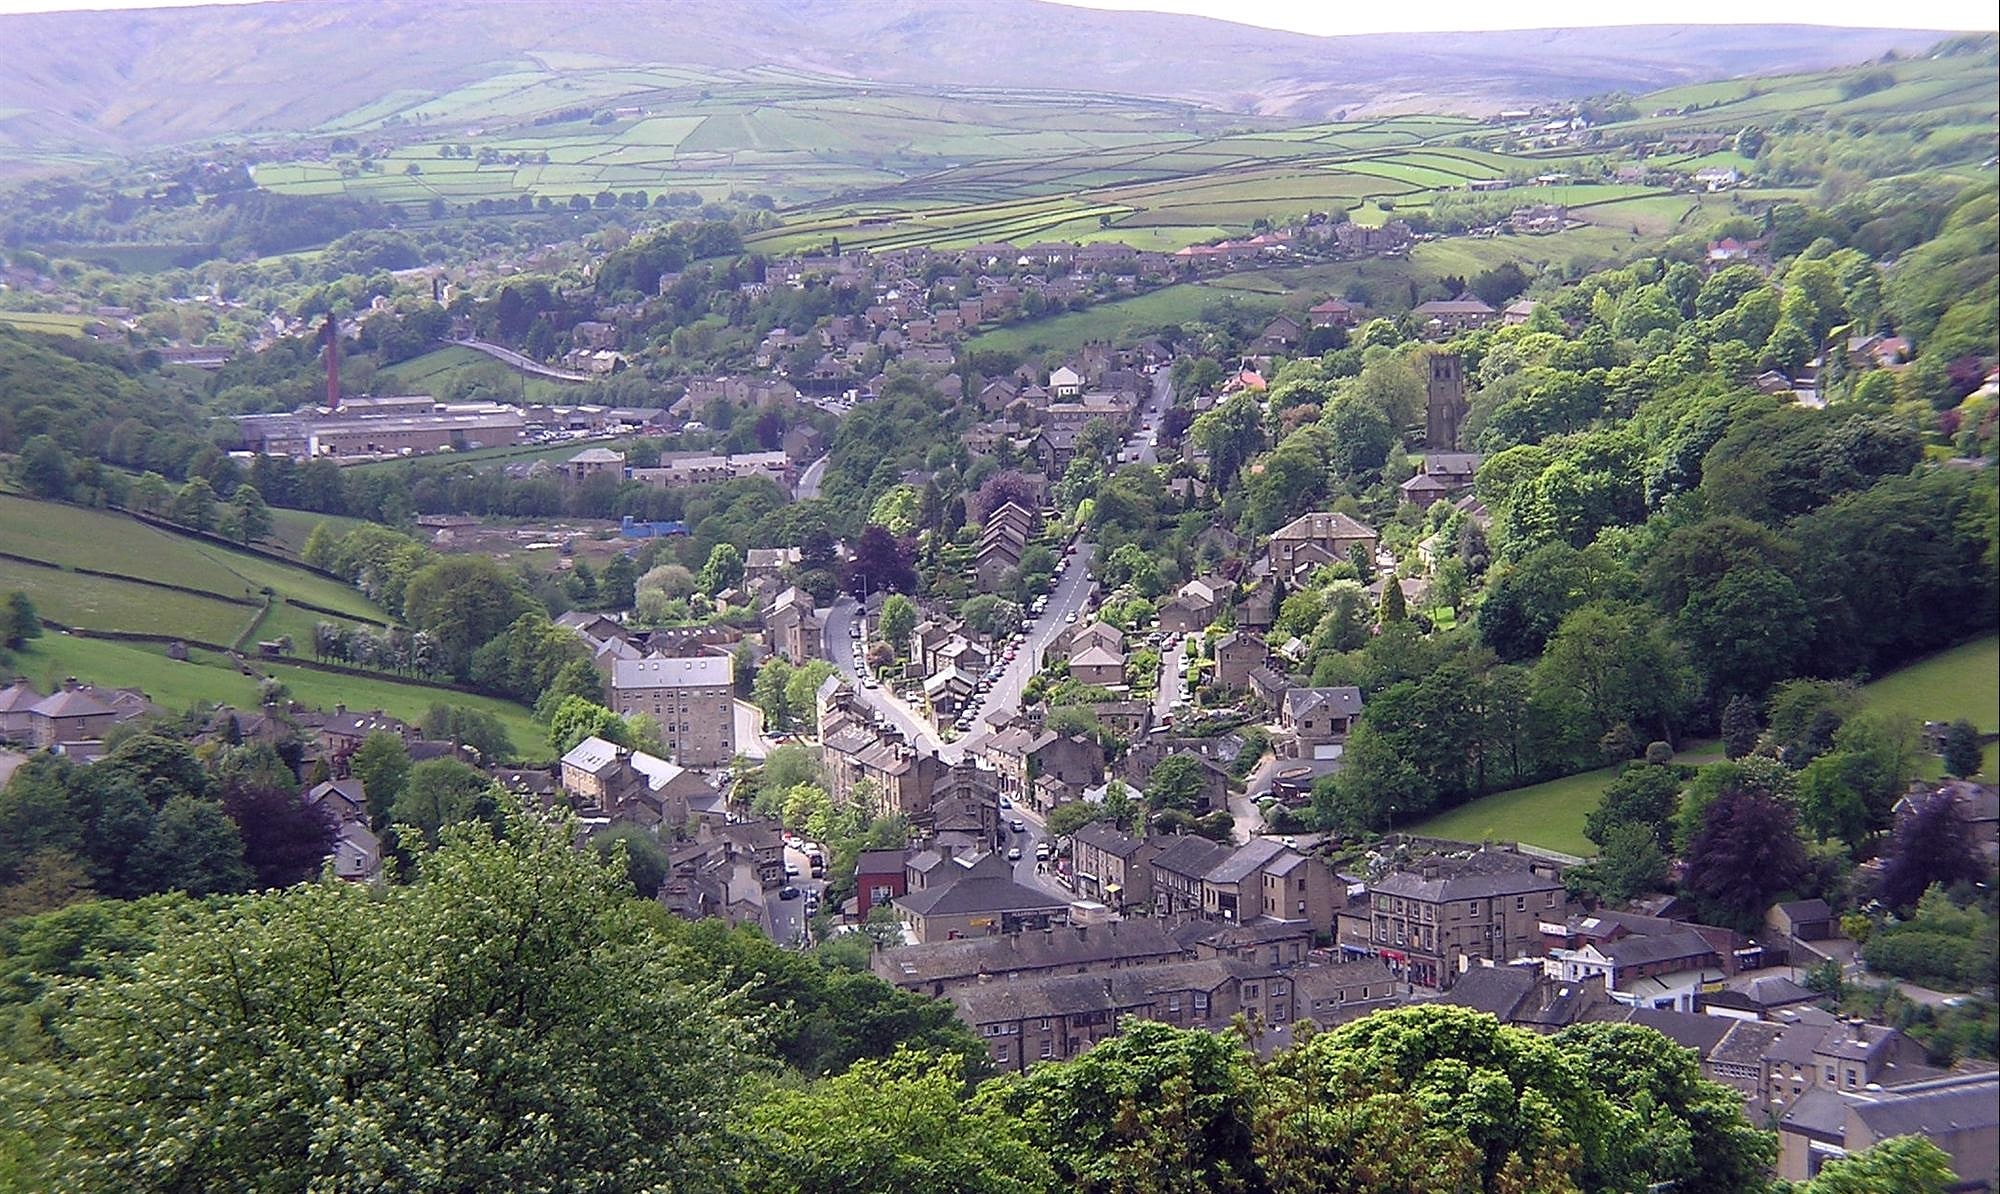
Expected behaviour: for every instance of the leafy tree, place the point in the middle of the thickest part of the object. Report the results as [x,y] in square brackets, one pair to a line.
[1740,727]
[1393,608]
[723,570]
[646,862]
[617,588]
[249,518]
[898,1125]
[194,505]
[1642,794]
[23,623]
[520,1017]
[881,563]
[1674,1124]
[162,767]
[1156,1108]
[192,846]
[1898,1165]
[45,880]
[44,468]
[1231,434]
[1961,747]
[1931,845]
[285,840]
[443,792]
[575,719]
[1746,853]
[1066,819]
[382,764]
[1175,783]
[462,602]
[1632,862]
[897,620]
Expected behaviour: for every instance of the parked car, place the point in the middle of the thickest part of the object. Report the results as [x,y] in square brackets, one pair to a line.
[1043,851]
[788,892]
[1018,825]
[1014,854]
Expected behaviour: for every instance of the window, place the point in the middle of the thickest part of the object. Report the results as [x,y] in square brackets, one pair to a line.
[1200,1004]
[1048,1049]
[1472,907]
[1000,1053]
[1829,1073]
[1520,903]
[1250,990]
[1044,1025]
[1850,1077]
[1174,1005]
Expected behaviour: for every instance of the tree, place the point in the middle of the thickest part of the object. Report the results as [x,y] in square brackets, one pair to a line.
[462,603]
[1175,783]
[646,863]
[1066,819]
[285,840]
[1230,434]
[723,569]
[443,792]
[1154,1109]
[1642,794]
[1393,608]
[1961,745]
[1740,727]
[576,718]
[1931,845]
[1631,862]
[23,623]
[249,518]
[1898,1165]
[192,846]
[1673,1125]
[194,505]
[1746,852]
[897,1125]
[617,588]
[44,468]
[382,764]
[46,879]
[524,1017]
[881,563]
[897,620]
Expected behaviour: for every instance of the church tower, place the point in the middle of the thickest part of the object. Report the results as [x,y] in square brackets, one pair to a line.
[1444,401]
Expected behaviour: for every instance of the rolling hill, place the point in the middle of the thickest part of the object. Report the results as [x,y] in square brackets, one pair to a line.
[117,81]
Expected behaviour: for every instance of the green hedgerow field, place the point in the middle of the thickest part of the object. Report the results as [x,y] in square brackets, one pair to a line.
[208,678]
[1963,682]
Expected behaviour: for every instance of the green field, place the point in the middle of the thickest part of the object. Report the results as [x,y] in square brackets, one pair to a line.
[100,603]
[53,325]
[454,371]
[290,528]
[1963,682]
[1549,815]
[208,678]
[1108,321]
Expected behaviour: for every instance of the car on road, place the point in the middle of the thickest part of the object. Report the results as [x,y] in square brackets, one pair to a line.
[854,630]
[1018,825]
[788,892]
[869,682]
[1043,851]
[1006,803]
[791,872]
[1014,854]
[1070,617]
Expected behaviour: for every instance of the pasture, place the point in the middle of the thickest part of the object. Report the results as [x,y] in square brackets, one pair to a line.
[1963,682]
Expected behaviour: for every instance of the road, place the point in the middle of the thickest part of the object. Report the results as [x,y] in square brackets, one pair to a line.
[1067,601]
[1144,443]
[526,364]
[809,480]
[841,648]
[1173,674]
[788,917]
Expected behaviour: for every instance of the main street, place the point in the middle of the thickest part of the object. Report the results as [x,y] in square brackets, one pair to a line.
[1144,444]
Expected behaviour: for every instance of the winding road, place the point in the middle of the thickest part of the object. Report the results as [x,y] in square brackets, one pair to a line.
[526,364]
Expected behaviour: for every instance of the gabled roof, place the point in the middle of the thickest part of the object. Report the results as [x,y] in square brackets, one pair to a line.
[1246,860]
[591,755]
[975,894]
[1105,836]
[1097,655]
[71,703]
[1344,701]
[1324,524]
[17,697]
[1190,856]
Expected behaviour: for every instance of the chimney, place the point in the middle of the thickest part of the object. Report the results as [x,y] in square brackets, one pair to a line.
[1429,869]
[330,335]
[70,683]
[1082,932]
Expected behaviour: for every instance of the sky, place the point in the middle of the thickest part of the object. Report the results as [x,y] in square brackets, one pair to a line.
[1327,17]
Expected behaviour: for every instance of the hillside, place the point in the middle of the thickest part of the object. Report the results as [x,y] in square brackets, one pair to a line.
[106,81]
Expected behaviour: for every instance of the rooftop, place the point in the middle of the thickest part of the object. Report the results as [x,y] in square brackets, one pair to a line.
[701,671]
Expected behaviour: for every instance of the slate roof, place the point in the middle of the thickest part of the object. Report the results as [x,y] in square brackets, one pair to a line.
[1106,837]
[1189,855]
[17,697]
[70,703]
[1345,701]
[1483,875]
[701,671]
[1245,861]
[973,895]
[593,754]
[944,961]
[1036,996]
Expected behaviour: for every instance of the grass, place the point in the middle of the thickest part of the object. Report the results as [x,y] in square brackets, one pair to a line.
[100,603]
[1109,321]
[1549,815]
[208,678]
[53,325]
[1963,682]
[290,528]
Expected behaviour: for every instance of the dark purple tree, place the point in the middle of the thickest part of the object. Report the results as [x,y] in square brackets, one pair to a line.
[284,839]
[881,563]
[1746,852]
[1931,844]
[1001,488]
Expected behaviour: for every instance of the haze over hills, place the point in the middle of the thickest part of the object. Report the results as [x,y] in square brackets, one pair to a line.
[111,81]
